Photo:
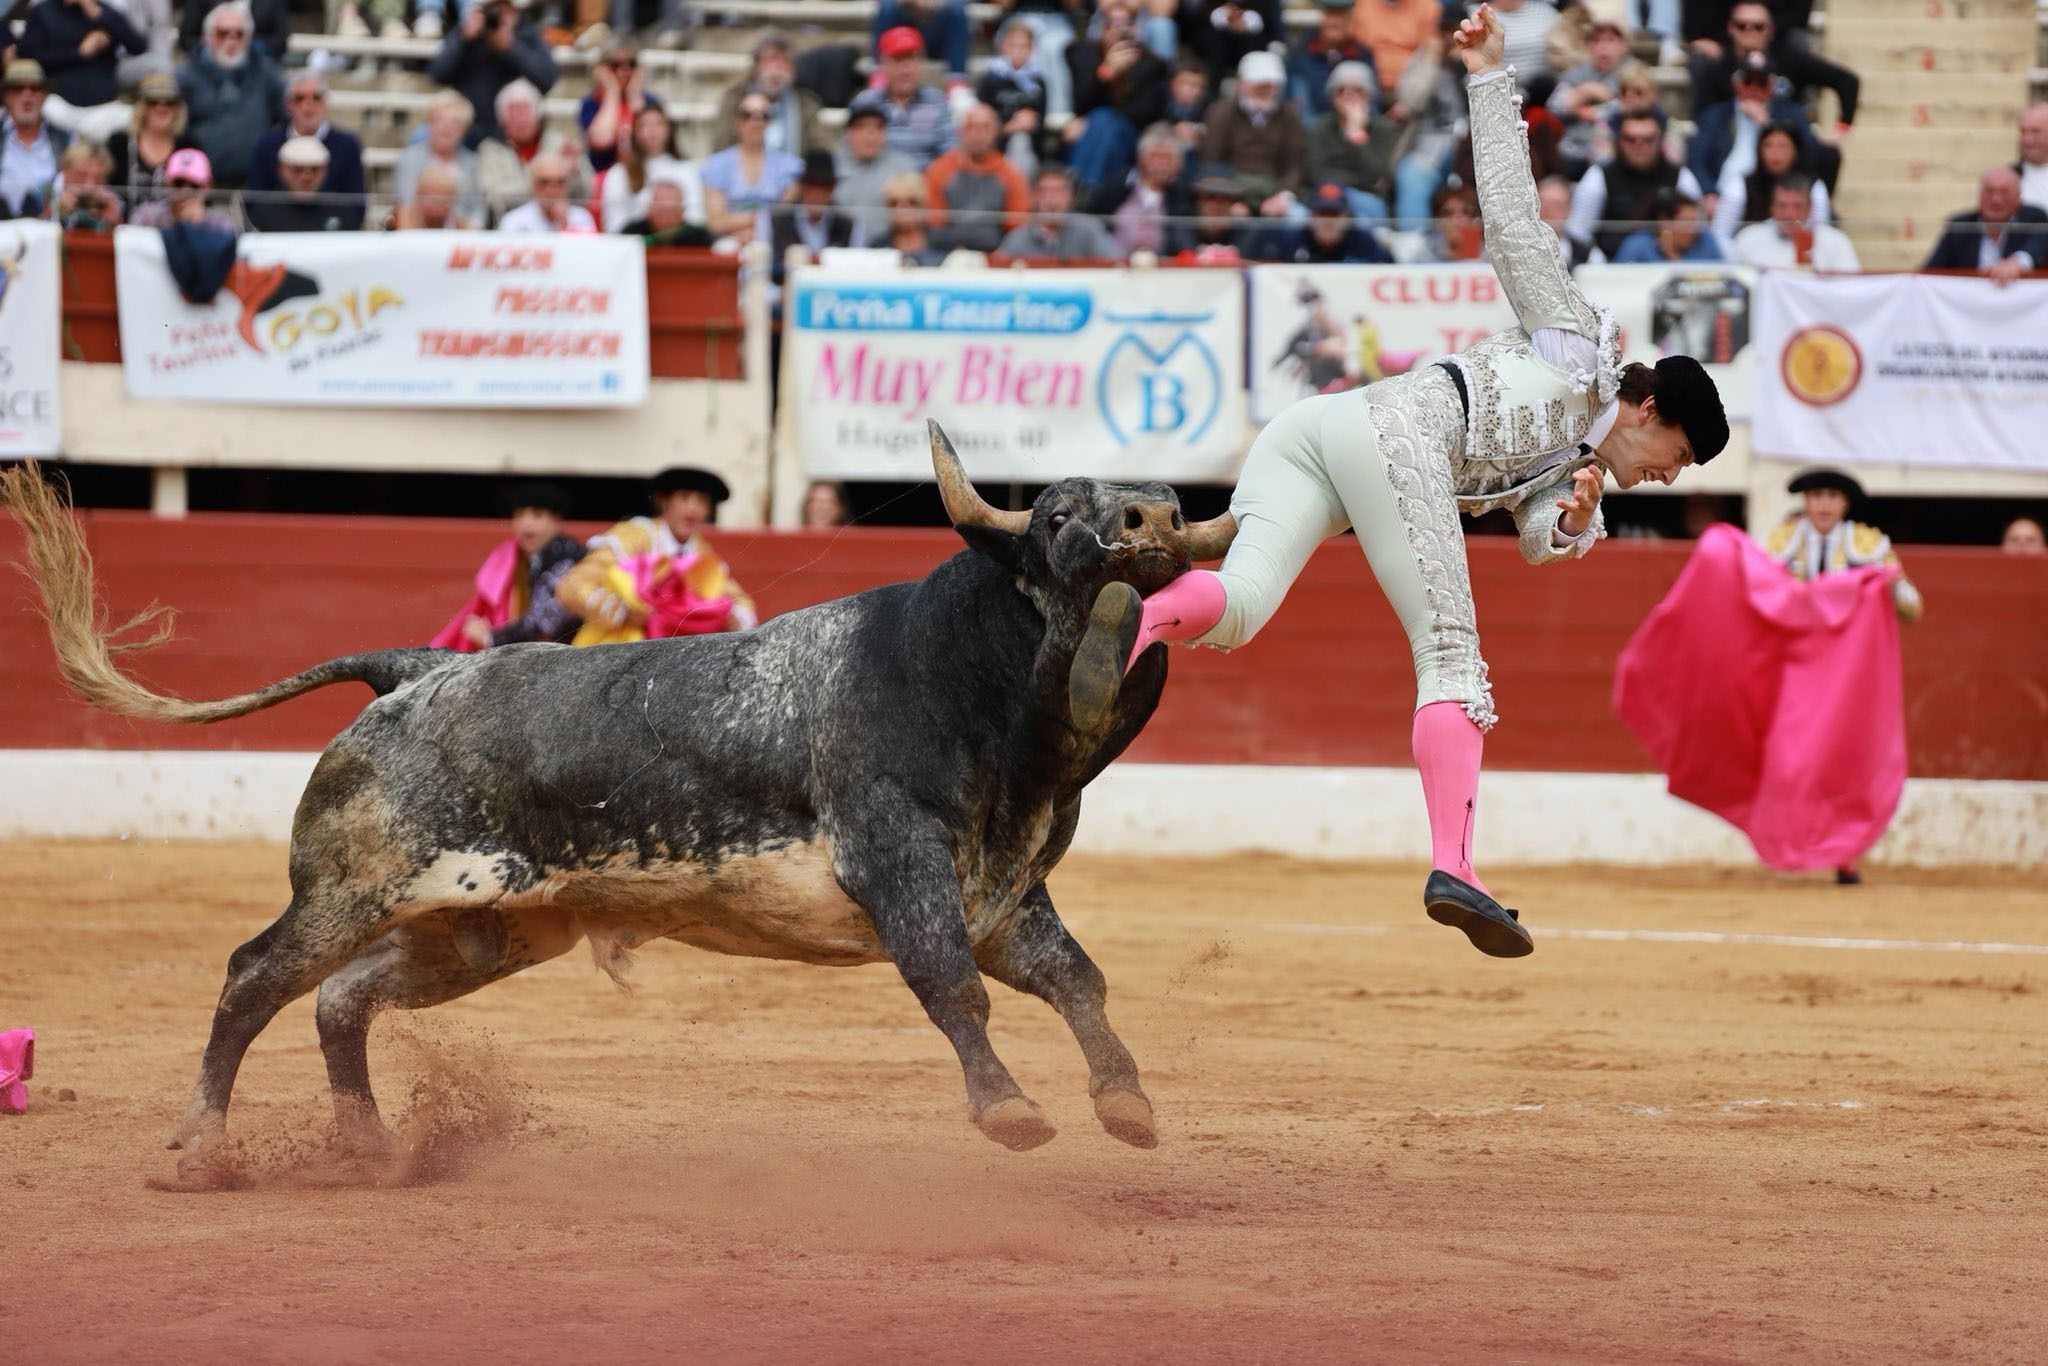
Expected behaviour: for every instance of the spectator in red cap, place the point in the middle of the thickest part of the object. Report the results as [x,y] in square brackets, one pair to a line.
[940,26]
[188,175]
[920,125]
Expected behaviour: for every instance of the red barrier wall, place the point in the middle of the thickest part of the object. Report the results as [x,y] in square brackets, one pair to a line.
[1329,682]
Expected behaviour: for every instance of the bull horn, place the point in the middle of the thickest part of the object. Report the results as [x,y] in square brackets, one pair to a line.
[1208,540]
[963,505]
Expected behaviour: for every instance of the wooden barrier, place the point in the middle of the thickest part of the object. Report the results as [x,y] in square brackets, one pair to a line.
[695,329]
[1328,682]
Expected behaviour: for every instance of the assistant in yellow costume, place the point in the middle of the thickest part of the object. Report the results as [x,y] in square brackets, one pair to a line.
[1822,540]
[602,593]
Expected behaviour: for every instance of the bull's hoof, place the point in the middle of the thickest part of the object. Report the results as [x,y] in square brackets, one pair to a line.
[1016,1124]
[1097,674]
[1128,1116]
[364,1136]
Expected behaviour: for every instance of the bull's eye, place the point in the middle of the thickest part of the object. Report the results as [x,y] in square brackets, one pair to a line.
[1059,519]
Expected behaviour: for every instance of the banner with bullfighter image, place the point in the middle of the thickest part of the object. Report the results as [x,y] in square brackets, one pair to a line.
[1699,310]
[1928,370]
[30,322]
[1036,375]
[1318,329]
[401,319]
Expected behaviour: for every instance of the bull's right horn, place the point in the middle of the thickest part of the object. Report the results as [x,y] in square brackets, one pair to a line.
[1208,540]
[963,504]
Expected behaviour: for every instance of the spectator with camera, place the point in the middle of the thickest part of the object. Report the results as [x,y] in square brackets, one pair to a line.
[490,48]
[85,202]
[1120,88]
[1724,141]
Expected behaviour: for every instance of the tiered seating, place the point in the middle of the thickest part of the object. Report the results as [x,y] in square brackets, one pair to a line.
[1942,83]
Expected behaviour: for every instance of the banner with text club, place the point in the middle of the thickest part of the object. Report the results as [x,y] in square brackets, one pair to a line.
[1035,375]
[428,319]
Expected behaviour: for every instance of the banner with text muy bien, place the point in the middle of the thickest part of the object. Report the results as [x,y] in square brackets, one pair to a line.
[29,321]
[1035,375]
[1913,369]
[1320,328]
[404,319]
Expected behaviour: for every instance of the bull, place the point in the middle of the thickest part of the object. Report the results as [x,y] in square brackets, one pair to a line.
[887,776]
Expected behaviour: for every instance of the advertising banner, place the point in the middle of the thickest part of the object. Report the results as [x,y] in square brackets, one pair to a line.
[403,319]
[1702,310]
[1036,375]
[30,316]
[1912,369]
[1316,329]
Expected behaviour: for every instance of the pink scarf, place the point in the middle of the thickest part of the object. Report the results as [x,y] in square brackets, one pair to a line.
[1775,704]
[672,609]
[492,600]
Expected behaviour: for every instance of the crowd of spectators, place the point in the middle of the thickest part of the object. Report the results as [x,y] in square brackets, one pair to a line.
[1094,130]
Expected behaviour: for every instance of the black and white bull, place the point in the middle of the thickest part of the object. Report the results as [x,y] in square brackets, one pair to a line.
[885,777]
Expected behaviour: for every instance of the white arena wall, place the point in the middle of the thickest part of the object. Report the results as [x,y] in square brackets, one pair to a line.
[1154,809]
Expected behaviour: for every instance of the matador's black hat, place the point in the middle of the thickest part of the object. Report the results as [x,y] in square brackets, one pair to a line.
[537,493]
[1686,396]
[1806,481]
[689,479]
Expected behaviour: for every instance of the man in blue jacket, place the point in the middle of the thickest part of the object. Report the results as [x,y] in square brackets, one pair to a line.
[306,116]
[79,42]
[233,92]
[2004,239]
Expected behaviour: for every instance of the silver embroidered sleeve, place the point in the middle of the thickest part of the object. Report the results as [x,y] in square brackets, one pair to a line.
[1536,519]
[1524,250]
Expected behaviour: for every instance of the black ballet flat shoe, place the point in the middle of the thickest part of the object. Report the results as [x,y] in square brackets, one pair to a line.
[1848,877]
[1097,674]
[1492,927]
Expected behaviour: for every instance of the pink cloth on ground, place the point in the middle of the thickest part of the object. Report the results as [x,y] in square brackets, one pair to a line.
[492,600]
[1775,704]
[17,1065]
[1448,747]
[672,609]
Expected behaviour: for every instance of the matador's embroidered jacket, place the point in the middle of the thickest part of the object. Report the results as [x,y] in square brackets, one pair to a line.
[1802,548]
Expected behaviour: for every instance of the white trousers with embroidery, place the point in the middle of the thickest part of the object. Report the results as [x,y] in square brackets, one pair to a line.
[1376,460]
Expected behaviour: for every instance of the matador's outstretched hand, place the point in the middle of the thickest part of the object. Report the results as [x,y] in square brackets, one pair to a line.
[1481,42]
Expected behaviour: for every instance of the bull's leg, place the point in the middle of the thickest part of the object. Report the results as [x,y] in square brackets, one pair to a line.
[1039,956]
[912,894]
[431,960]
[312,938]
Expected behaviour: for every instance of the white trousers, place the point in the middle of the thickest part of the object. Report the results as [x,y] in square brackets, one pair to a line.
[1376,460]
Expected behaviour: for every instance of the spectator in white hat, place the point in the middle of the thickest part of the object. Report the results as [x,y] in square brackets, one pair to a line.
[298,204]
[1259,135]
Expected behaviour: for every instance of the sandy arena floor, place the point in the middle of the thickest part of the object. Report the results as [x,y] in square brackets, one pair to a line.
[1376,1143]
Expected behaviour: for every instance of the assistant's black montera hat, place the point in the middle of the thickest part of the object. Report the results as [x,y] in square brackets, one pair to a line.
[690,479]
[1806,481]
[1686,395]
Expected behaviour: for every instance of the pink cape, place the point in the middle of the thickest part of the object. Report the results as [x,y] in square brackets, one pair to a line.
[492,600]
[672,609]
[1775,704]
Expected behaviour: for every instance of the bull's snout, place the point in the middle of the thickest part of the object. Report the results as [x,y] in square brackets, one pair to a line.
[1154,524]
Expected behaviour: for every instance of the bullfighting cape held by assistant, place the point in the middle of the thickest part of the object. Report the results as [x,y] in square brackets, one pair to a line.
[1774,703]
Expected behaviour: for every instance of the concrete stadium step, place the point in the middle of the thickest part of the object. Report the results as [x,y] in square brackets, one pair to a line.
[1912,172]
[1934,145]
[1930,12]
[1964,59]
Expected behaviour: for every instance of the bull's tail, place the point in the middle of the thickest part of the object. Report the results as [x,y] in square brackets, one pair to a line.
[60,566]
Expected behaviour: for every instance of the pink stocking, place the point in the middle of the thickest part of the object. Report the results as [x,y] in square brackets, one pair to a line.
[1182,610]
[1447,750]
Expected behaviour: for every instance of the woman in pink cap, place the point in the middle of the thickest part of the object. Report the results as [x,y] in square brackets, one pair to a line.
[187,176]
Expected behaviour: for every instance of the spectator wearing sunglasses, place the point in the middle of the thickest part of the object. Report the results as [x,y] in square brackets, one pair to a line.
[269,20]
[616,98]
[343,184]
[492,46]
[187,179]
[234,93]
[744,182]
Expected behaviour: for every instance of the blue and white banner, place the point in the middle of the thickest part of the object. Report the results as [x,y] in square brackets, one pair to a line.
[29,313]
[1036,375]
[392,319]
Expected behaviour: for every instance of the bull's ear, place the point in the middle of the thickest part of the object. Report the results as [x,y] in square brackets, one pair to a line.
[1006,548]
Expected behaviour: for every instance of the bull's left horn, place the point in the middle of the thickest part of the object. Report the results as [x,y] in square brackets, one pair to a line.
[963,504]
[1208,540]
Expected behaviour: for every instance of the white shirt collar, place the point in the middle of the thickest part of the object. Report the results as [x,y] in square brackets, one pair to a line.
[1603,424]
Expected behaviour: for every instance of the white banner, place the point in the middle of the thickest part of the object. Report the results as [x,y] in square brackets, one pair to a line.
[30,318]
[1036,375]
[400,319]
[1913,369]
[1697,310]
[1321,328]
